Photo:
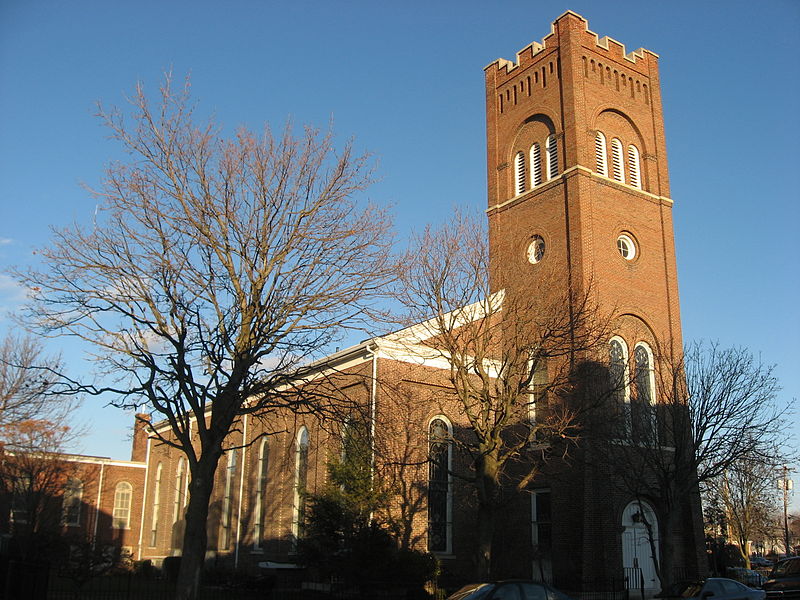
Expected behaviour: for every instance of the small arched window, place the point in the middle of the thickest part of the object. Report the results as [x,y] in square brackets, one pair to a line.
[536,165]
[634,173]
[156,505]
[227,501]
[601,162]
[440,492]
[71,505]
[552,157]
[618,380]
[300,480]
[519,173]
[643,410]
[617,165]
[121,518]
[261,486]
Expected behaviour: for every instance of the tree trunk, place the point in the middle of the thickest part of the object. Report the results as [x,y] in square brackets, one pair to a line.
[488,490]
[668,548]
[195,539]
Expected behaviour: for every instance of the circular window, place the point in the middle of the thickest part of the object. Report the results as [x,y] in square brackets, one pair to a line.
[626,247]
[536,249]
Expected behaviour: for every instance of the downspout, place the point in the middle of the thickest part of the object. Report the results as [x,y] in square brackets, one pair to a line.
[241,493]
[144,494]
[97,506]
[373,396]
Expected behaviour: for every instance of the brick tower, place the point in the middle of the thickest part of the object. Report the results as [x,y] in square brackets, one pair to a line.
[578,198]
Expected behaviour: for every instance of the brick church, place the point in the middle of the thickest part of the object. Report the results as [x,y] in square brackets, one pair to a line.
[578,199]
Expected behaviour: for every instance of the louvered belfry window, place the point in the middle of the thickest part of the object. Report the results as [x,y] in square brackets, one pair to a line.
[536,165]
[519,173]
[617,167]
[552,157]
[633,167]
[601,162]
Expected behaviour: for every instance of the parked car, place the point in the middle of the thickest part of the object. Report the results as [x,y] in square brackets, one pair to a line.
[746,576]
[759,562]
[784,581]
[508,590]
[713,588]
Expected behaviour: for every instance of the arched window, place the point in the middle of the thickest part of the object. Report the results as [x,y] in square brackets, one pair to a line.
[643,409]
[519,173]
[71,505]
[227,501]
[618,379]
[156,505]
[261,485]
[180,491]
[536,165]
[537,367]
[633,167]
[600,160]
[617,166]
[121,518]
[440,493]
[552,157]
[300,479]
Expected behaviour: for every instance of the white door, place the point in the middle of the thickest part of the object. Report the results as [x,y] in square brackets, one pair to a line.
[636,549]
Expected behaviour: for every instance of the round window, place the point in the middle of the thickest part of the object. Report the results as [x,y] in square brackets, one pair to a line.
[626,247]
[536,249]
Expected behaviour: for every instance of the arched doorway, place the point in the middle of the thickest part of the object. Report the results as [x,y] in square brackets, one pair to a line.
[637,517]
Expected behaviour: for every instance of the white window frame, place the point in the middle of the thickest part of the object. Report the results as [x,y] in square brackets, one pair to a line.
[179,501]
[261,484]
[227,500]
[626,381]
[301,444]
[73,495]
[123,496]
[600,154]
[651,378]
[156,505]
[552,156]
[634,168]
[519,173]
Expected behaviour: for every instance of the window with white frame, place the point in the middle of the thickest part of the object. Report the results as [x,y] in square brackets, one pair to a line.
[300,481]
[519,173]
[617,161]
[156,505]
[72,502]
[643,412]
[600,160]
[261,486]
[634,174]
[538,386]
[618,380]
[552,156]
[440,491]
[541,534]
[227,501]
[536,165]
[121,517]
[179,499]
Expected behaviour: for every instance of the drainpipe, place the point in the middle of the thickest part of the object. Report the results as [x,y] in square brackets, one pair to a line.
[144,494]
[97,506]
[241,493]
[373,407]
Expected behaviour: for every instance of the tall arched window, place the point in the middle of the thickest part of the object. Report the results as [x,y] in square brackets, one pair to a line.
[536,165]
[634,173]
[261,486]
[227,501]
[156,505]
[552,156]
[643,409]
[180,491]
[618,379]
[121,517]
[519,173]
[617,165]
[600,160]
[71,505]
[300,480]
[440,499]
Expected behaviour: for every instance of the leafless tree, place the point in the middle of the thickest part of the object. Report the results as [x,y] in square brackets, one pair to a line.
[216,269]
[27,384]
[747,494]
[511,361]
[713,408]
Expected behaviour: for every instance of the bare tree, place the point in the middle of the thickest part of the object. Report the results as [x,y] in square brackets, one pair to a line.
[511,359]
[27,384]
[713,408]
[215,270]
[747,494]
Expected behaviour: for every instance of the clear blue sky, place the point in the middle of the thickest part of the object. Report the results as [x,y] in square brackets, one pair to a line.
[406,80]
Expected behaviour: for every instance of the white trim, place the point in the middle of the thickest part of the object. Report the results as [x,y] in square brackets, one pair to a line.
[551,157]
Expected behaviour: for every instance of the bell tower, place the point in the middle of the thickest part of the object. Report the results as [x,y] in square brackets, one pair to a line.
[579,200]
